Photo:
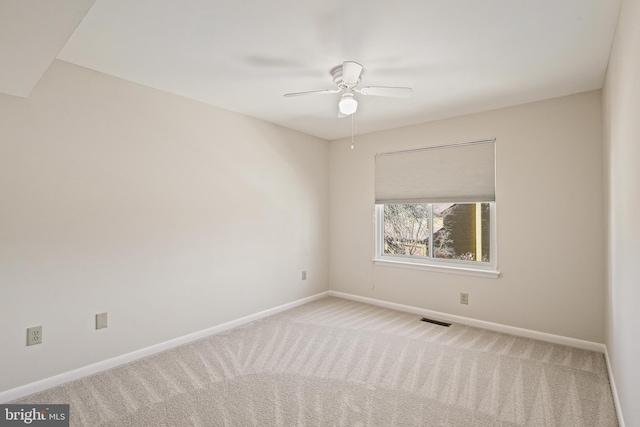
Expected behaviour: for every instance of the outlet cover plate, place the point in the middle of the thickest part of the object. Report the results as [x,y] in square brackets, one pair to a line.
[34,335]
[464,298]
[101,320]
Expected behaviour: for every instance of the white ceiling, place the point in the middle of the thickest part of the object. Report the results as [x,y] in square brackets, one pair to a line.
[459,56]
[31,34]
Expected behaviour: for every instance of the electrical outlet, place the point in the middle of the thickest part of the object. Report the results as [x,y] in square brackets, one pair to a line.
[304,275]
[101,320]
[464,298]
[34,335]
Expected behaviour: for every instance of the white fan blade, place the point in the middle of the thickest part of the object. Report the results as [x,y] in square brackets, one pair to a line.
[351,72]
[312,92]
[394,92]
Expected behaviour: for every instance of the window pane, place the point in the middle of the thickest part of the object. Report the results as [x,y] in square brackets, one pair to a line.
[406,229]
[461,231]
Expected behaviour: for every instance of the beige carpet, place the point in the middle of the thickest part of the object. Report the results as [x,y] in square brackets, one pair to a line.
[335,362]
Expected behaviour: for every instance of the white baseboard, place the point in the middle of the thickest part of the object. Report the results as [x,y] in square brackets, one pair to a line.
[614,390]
[65,377]
[527,333]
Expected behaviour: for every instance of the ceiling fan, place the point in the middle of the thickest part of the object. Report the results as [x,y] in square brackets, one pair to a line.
[347,76]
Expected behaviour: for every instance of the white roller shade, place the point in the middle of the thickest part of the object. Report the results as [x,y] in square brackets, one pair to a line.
[450,173]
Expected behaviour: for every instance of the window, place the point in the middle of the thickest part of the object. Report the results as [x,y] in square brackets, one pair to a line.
[435,208]
[450,236]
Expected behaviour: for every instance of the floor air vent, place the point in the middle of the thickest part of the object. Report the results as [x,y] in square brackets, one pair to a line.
[435,322]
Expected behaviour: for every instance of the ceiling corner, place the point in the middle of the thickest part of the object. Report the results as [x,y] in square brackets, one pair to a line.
[33,32]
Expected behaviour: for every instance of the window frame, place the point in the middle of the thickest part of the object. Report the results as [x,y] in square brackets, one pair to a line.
[442,265]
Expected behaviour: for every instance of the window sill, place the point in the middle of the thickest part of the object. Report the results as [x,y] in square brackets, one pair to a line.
[491,274]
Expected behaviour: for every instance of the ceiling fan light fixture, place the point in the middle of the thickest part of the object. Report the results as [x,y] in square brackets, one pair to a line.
[347,77]
[348,104]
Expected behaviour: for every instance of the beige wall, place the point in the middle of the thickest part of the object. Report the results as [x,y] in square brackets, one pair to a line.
[549,219]
[622,141]
[171,215]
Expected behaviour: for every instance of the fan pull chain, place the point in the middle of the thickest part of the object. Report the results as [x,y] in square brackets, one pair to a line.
[352,146]
[354,125]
